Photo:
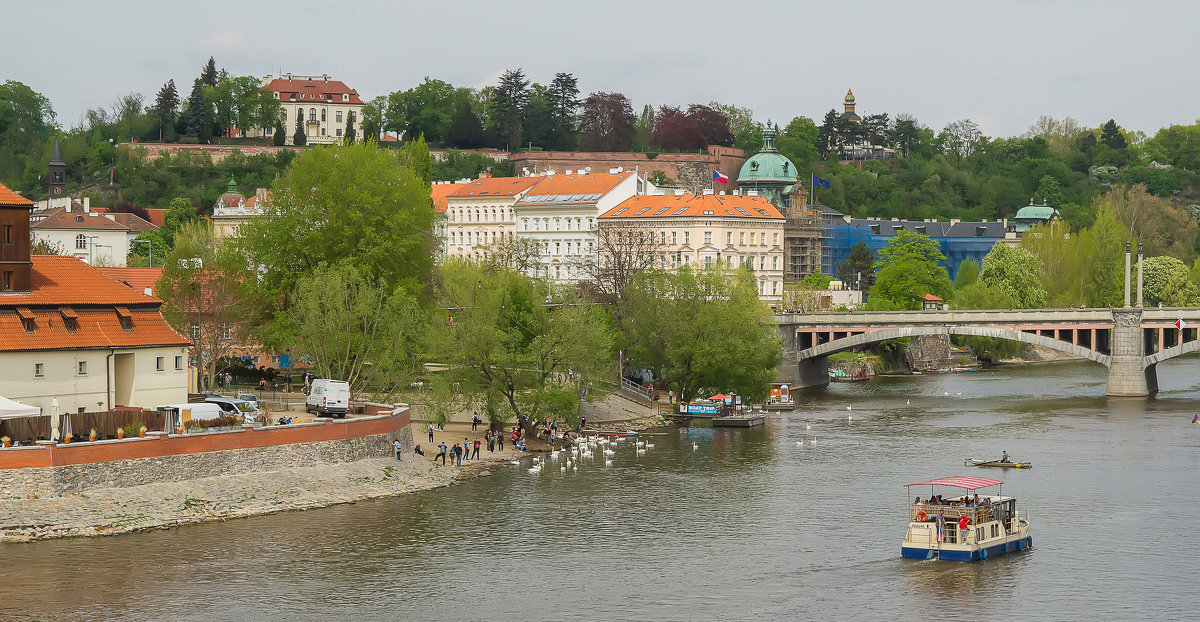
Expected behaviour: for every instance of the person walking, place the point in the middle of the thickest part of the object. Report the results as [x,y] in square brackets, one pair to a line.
[441,453]
[474,422]
[399,447]
[500,440]
[431,433]
[475,455]
[467,447]
[228,380]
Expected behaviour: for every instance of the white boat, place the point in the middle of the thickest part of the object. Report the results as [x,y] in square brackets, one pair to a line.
[966,527]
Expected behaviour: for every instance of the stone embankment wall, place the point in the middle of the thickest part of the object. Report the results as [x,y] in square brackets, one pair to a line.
[161,458]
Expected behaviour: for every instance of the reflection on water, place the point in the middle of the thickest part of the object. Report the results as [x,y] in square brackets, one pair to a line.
[799,519]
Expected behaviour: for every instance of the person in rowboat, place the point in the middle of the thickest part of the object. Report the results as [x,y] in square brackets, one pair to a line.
[1004,458]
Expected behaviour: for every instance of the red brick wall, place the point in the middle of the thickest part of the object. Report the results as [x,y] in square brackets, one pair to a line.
[159,446]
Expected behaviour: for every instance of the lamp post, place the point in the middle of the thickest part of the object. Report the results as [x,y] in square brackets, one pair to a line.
[91,243]
[149,245]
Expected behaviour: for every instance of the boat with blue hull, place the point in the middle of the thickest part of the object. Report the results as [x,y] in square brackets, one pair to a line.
[966,527]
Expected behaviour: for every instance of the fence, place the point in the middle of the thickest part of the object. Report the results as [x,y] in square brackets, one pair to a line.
[26,430]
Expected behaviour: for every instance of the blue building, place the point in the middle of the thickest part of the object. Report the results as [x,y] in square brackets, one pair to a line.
[958,241]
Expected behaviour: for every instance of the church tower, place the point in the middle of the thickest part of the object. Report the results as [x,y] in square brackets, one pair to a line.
[56,177]
[849,104]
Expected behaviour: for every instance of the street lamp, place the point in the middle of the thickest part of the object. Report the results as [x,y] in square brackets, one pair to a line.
[90,245]
[149,245]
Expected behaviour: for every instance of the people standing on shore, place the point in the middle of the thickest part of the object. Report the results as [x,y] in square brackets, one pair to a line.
[467,447]
[431,433]
[500,440]
[458,452]
[474,422]
[441,453]
[399,447]
[476,454]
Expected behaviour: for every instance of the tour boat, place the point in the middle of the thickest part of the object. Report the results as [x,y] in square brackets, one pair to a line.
[967,527]
[997,463]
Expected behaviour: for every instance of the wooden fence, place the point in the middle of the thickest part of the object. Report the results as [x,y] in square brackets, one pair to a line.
[28,429]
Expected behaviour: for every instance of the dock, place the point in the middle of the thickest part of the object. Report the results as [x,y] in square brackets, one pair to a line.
[740,421]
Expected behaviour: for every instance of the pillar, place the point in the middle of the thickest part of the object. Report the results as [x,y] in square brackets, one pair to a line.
[1127,275]
[812,372]
[1139,291]
[1128,374]
[1162,333]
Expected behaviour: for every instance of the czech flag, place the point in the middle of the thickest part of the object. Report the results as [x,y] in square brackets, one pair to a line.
[719,178]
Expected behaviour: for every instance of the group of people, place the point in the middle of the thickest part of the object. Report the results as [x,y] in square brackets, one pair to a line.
[938,500]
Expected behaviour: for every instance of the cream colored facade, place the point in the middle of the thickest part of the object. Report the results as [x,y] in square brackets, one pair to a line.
[323,105]
[95,379]
[475,221]
[227,220]
[96,247]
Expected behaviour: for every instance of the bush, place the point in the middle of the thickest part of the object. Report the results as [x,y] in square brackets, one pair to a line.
[133,428]
[219,422]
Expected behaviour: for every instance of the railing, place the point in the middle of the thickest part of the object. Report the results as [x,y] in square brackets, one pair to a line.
[632,389]
[954,513]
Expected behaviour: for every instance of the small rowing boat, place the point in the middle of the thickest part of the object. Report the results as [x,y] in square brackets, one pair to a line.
[610,432]
[997,463]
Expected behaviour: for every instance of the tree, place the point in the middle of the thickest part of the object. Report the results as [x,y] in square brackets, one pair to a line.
[702,332]
[465,131]
[1157,223]
[960,139]
[968,273]
[908,268]
[1014,271]
[209,75]
[180,212]
[512,353]
[424,109]
[827,135]
[1167,280]
[906,133]
[799,142]
[521,255]
[279,136]
[350,132]
[675,130]
[509,100]
[606,122]
[197,116]
[747,133]
[26,130]
[166,105]
[978,295]
[1049,192]
[713,125]
[564,98]
[208,295]
[859,266]
[357,328]
[539,127]
[353,202]
[373,118]
[1111,136]
[623,249]
[299,136]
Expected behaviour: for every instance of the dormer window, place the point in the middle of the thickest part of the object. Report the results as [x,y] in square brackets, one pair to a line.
[345,97]
[125,317]
[79,218]
[28,319]
[70,319]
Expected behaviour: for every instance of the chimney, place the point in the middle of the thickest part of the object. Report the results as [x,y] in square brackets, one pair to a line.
[568,171]
[325,77]
[68,208]
[87,205]
[289,76]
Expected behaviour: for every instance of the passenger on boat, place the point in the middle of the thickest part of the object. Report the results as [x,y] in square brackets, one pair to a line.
[1004,458]
[976,498]
[917,502]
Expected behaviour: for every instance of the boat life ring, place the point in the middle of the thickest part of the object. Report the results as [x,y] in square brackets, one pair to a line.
[922,516]
[963,522]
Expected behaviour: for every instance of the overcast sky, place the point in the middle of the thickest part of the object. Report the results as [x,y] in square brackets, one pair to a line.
[1000,62]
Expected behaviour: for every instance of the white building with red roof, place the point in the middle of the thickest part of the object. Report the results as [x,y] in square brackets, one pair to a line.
[480,213]
[99,238]
[70,333]
[708,230]
[324,107]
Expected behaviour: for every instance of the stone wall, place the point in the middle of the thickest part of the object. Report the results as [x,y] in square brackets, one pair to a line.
[693,171]
[75,479]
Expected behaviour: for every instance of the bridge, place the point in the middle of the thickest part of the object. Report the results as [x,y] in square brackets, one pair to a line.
[1129,341]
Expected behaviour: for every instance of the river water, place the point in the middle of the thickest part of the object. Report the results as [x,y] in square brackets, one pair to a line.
[749,525]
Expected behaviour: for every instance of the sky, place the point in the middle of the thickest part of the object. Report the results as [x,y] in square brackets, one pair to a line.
[1001,63]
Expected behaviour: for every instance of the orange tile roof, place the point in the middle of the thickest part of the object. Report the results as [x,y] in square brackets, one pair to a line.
[495,187]
[8,197]
[296,90]
[134,222]
[96,328]
[566,186]
[137,278]
[694,205]
[439,192]
[66,281]
[59,218]
[157,216]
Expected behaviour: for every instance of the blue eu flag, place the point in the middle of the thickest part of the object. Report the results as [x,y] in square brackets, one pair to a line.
[820,183]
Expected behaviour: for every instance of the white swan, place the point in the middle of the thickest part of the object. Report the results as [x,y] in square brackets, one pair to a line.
[607,463]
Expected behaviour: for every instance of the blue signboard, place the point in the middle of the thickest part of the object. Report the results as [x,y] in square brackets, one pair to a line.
[698,409]
[285,361]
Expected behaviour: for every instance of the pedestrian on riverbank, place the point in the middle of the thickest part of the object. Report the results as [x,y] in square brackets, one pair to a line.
[458,458]
[399,447]
[476,454]
[441,427]
[475,422]
[441,453]
[431,433]
[467,447]
[500,440]
[417,450]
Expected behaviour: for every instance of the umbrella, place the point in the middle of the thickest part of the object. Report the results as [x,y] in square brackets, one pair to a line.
[11,409]
[719,396]
[54,436]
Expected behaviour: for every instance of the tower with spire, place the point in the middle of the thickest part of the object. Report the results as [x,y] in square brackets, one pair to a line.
[848,103]
[56,173]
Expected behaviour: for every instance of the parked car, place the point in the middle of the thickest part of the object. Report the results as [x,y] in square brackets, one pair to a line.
[328,397]
[249,397]
[197,411]
[241,408]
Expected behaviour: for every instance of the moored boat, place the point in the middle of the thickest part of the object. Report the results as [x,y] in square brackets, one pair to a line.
[998,463]
[610,432]
[967,527]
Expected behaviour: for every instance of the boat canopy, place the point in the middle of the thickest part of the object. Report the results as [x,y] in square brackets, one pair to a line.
[970,483]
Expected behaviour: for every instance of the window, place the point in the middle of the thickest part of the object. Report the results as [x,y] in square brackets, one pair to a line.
[80,241]
[729,237]
[8,234]
[775,263]
[160,363]
[673,239]
[39,370]
[6,283]
[322,131]
[339,116]
[687,237]
[178,363]
[225,331]
[81,368]
[762,239]
[762,262]
[195,330]
[775,239]
[742,238]
[339,131]
[322,114]
[708,237]
[312,114]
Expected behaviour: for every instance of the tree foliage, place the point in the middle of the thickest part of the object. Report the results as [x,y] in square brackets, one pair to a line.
[606,122]
[1014,271]
[908,268]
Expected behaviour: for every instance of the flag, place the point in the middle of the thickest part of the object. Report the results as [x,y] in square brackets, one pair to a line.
[820,183]
[719,178]
[1179,324]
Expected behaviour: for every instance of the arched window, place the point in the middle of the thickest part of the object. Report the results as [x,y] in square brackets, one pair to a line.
[312,114]
[322,114]
[81,241]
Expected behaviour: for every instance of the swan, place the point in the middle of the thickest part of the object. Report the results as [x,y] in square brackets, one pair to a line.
[562,469]
[850,407]
[607,463]
[907,402]
[799,443]
[808,427]
[649,445]
[695,446]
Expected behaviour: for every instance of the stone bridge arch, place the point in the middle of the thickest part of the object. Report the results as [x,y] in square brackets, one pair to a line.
[1172,352]
[874,336]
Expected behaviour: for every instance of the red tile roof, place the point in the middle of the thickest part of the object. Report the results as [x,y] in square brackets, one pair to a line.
[566,186]
[439,192]
[694,205]
[932,298]
[157,216]
[134,222]
[58,280]
[59,218]
[495,187]
[311,91]
[8,197]
[137,278]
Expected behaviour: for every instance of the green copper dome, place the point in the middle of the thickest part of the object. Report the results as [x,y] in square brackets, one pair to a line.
[768,165]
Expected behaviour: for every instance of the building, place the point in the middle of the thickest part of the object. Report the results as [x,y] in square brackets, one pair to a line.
[69,332]
[143,280]
[933,303]
[958,241]
[709,230]
[1032,215]
[480,213]
[438,193]
[559,215]
[859,147]
[232,209]
[326,108]
[100,239]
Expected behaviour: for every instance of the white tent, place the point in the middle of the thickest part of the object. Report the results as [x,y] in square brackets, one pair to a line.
[12,410]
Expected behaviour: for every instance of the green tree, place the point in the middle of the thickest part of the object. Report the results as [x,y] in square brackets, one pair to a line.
[977,295]
[702,331]
[466,131]
[198,115]
[908,268]
[357,328]
[350,132]
[906,134]
[816,281]
[424,109]
[299,136]
[509,100]
[1160,225]
[564,98]
[26,131]
[859,266]
[180,212]
[799,142]
[968,273]
[352,202]
[747,133]
[374,113]
[166,106]
[279,136]
[209,75]
[1049,192]
[1014,270]
[1167,280]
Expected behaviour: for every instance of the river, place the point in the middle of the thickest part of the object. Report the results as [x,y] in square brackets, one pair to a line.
[749,525]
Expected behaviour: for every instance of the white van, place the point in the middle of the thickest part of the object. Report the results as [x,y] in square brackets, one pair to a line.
[328,397]
[199,411]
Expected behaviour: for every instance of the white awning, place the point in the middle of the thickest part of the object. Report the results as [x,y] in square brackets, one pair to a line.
[11,410]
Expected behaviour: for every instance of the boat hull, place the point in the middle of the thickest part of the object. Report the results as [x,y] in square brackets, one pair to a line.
[968,555]
[997,463]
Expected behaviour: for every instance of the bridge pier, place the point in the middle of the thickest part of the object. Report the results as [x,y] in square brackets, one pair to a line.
[1128,373]
[812,372]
